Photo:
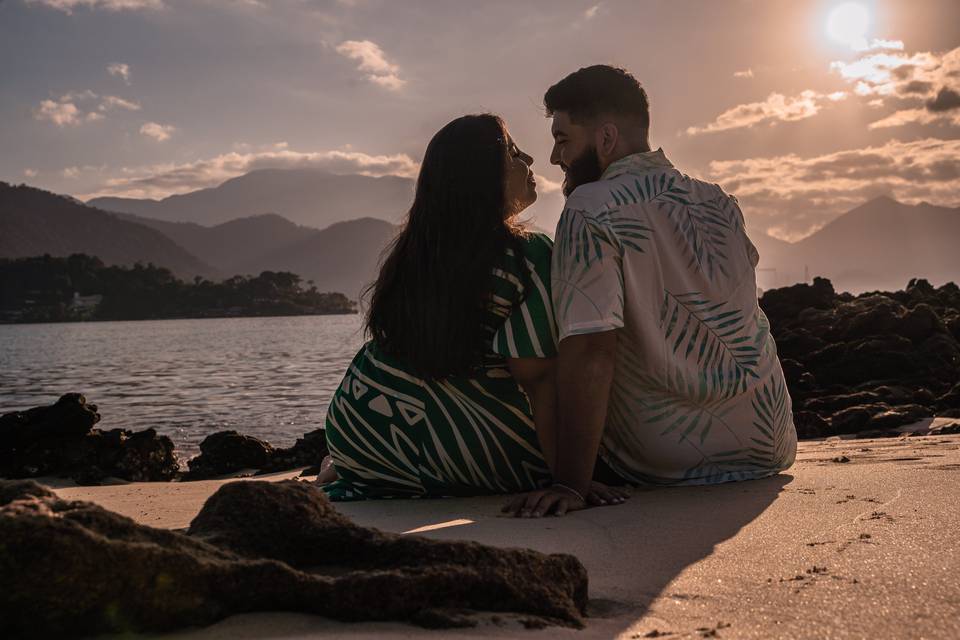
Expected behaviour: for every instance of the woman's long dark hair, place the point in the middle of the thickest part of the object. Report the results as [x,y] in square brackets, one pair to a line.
[428,303]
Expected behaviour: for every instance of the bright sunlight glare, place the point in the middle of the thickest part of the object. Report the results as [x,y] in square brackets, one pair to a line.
[848,24]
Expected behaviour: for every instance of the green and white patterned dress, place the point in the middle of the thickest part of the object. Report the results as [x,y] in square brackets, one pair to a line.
[698,394]
[393,434]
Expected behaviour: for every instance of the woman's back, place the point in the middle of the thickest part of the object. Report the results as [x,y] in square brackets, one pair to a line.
[396,433]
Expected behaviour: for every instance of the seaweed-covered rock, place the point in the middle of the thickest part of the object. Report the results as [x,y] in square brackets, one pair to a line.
[74,568]
[60,439]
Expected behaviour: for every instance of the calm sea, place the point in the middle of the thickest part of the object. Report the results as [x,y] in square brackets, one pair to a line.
[267,377]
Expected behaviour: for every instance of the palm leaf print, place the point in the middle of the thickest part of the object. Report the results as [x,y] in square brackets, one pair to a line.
[772,420]
[582,241]
[703,228]
[675,401]
[697,328]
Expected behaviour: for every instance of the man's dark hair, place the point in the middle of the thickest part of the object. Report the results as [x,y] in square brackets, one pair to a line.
[590,92]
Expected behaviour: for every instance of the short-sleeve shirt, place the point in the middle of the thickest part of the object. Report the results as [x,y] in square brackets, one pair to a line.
[698,394]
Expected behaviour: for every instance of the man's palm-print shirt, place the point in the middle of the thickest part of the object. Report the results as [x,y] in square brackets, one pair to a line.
[698,394]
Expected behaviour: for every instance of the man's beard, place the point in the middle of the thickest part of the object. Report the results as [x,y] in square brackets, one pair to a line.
[586,168]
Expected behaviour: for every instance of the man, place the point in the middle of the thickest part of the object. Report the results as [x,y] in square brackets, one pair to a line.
[666,370]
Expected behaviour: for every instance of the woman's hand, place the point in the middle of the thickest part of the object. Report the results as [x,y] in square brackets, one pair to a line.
[553,500]
[600,494]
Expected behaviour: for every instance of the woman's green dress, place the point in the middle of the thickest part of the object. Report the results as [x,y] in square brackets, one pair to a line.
[393,434]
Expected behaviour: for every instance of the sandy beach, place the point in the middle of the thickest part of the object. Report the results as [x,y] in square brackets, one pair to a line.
[867,547]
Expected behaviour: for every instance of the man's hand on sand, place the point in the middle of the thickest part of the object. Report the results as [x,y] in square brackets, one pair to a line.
[559,500]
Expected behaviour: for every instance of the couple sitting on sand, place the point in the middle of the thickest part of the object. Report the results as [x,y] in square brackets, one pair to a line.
[631,351]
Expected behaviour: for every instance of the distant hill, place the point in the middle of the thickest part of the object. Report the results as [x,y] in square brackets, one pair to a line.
[34,222]
[311,197]
[879,245]
[231,246]
[343,257]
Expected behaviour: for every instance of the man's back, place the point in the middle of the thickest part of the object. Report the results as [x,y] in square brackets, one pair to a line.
[698,394]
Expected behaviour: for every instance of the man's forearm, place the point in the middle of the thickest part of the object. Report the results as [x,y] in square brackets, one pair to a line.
[584,376]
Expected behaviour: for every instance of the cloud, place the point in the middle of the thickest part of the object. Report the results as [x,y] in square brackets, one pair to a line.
[71,173]
[746,73]
[61,114]
[592,12]
[119,69]
[776,108]
[372,61]
[29,173]
[879,44]
[113,102]
[159,132]
[65,112]
[915,116]
[160,181]
[791,197]
[946,100]
[67,6]
[546,185]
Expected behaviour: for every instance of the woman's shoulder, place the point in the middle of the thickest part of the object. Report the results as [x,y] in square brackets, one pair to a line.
[537,245]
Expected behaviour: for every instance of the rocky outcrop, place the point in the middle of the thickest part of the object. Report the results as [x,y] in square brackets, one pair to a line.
[74,568]
[857,364]
[60,439]
[228,452]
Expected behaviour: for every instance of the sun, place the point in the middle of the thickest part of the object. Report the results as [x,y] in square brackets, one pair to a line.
[848,24]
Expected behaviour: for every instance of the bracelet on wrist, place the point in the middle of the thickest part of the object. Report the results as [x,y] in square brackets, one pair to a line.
[576,494]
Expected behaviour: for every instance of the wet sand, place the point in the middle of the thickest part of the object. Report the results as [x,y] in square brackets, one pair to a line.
[869,547]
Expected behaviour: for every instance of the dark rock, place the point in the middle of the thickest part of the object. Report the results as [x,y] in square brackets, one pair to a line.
[810,425]
[309,450]
[832,404]
[951,399]
[945,429]
[74,568]
[920,323]
[790,301]
[226,452]
[60,440]
[840,459]
[856,418]
[898,417]
[68,416]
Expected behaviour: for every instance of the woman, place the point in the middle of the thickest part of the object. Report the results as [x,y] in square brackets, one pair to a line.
[450,395]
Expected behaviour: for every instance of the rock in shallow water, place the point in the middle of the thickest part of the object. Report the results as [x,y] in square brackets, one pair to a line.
[74,568]
[60,439]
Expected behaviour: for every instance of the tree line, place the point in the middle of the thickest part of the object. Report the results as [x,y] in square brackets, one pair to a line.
[81,287]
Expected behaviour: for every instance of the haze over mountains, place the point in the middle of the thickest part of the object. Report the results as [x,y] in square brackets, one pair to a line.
[311,197]
[879,245]
[331,229]
[35,222]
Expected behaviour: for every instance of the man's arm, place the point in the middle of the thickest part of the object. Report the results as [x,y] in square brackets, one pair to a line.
[584,377]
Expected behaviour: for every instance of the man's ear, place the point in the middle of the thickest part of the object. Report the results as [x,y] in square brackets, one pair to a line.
[607,137]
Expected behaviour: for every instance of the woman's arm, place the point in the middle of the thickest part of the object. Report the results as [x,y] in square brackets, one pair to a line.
[538,378]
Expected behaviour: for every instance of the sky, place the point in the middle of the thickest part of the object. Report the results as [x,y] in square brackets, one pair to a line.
[803,109]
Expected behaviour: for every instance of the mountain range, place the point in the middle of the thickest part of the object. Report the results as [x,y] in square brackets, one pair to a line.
[320,232]
[879,245]
[35,222]
[311,197]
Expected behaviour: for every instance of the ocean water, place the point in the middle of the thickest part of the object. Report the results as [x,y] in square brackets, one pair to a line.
[267,377]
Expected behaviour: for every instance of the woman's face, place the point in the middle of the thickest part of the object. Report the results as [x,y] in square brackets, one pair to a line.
[521,187]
